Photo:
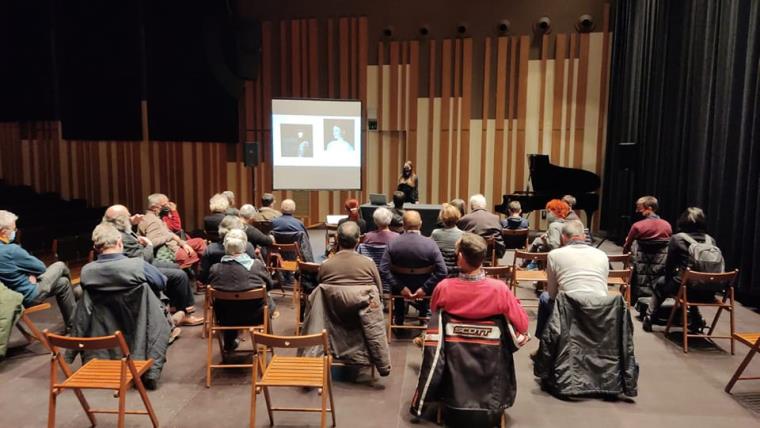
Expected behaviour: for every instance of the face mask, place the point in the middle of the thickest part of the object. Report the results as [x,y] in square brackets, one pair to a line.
[407,172]
[12,236]
[164,211]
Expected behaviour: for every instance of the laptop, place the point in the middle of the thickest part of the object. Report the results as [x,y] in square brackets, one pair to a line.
[335,218]
[378,199]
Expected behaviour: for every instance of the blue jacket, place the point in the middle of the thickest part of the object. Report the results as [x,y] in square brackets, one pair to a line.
[288,223]
[412,250]
[16,264]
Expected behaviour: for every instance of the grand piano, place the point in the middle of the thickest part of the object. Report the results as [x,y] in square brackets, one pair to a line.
[553,182]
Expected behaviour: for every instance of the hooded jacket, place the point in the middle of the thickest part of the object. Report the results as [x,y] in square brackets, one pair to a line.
[353,316]
[587,348]
[467,366]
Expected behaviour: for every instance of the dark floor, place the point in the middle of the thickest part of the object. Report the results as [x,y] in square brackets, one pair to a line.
[675,389]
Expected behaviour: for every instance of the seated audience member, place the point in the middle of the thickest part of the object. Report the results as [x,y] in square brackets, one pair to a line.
[575,268]
[691,226]
[397,224]
[28,276]
[515,219]
[651,227]
[552,239]
[483,223]
[215,251]
[570,201]
[230,195]
[446,237]
[461,205]
[347,267]
[169,246]
[287,223]
[266,212]
[411,249]
[178,288]
[172,219]
[111,282]
[256,237]
[238,271]
[473,296]
[218,205]
[352,207]
[382,235]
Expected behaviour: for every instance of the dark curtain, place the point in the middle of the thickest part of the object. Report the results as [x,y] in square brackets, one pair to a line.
[685,103]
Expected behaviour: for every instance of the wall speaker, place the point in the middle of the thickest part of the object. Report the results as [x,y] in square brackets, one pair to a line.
[542,26]
[504,26]
[250,154]
[585,24]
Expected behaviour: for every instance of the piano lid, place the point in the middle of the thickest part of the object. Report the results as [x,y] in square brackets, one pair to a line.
[546,177]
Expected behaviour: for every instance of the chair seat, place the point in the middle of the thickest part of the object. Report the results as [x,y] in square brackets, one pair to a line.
[102,374]
[288,265]
[748,339]
[294,371]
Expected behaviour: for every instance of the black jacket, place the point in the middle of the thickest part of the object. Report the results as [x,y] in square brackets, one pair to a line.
[648,259]
[213,255]
[587,348]
[469,370]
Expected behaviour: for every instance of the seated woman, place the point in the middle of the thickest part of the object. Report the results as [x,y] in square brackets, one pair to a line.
[237,271]
[352,207]
[447,237]
[383,235]
[552,239]
[218,205]
[215,250]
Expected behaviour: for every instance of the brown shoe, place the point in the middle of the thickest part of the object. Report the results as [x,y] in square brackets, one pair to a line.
[174,335]
[191,321]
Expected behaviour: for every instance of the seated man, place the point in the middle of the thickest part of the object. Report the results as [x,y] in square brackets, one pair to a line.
[473,296]
[287,223]
[177,281]
[651,227]
[575,268]
[255,236]
[483,223]
[238,271]
[172,219]
[267,212]
[515,219]
[218,205]
[347,267]
[175,249]
[27,275]
[110,282]
[383,235]
[411,249]
[215,251]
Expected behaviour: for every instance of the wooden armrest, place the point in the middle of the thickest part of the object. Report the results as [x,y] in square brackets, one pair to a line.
[36,308]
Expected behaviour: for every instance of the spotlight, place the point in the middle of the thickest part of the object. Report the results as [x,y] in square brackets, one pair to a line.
[504,27]
[462,29]
[543,26]
[424,31]
[388,32]
[585,24]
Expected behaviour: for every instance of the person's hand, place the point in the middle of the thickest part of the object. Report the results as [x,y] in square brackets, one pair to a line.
[189,250]
[172,206]
[524,338]
[144,241]
[136,219]
[419,294]
[32,279]
[406,293]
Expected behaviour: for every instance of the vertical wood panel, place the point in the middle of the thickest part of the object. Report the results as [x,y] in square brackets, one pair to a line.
[485,111]
[542,101]
[464,175]
[414,74]
[580,114]
[394,110]
[363,60]
[501,85]
[521,113]
[512,115]
[559,88]
[443,163]
[455,161]
[570,99]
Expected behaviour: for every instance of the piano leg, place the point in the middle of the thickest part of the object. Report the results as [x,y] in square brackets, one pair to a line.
[589,217]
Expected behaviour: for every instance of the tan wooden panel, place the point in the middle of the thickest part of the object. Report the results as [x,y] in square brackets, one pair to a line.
[363,62]
[394,57]
[570,99]
[520,159]
[455,169]
[542,101]
[580,102]
[511,116]
[414,70]
[485,112]
[443,161]
[560,49]
[431,106]
[464,173]
[501,86]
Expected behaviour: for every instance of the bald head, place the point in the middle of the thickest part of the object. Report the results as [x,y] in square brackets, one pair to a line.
[412,220]
[118,215]
[116,210]
[348,235]
[288,206]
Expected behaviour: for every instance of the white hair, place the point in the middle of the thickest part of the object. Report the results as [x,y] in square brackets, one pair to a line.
[228,224]
[105,236]
[573,228]
[218,203]
[288,206]
[247,211]
[7,218]
[235,242]
[230,195]
[478,202]
[155,199]
[382,217]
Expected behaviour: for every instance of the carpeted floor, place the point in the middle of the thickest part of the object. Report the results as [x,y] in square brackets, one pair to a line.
[675,389]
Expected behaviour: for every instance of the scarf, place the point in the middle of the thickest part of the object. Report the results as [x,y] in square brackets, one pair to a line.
[244,259]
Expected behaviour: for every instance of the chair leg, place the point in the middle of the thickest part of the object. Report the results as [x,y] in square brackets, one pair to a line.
[146,401]
[253,397]
[685,332]
[390,319]
[209,339]
[332,401]
[268,401]
[323,413]
[731,314]
[122,404]
[86,406]
[714,321]
[51,409]
[672,314]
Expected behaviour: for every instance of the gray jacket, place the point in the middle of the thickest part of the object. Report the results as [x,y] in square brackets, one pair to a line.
[353,318]
[587,348]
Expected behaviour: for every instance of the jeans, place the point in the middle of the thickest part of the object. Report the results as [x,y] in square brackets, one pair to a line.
[56,281]
[545,307]
[178,288]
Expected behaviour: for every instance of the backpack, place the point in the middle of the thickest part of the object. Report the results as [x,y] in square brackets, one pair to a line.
[704,256]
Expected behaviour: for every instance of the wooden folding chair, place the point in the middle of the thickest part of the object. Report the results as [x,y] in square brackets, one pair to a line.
[503,273]
[331,232]
[624,259]
[622,278]
[515,239]
[265,226]
[753,341]
[34,333]
[492,259]
[298,296]
[402,270]
[719,282]
[284,257]
[520,274]
[292,372]
[215,329]
[117,375]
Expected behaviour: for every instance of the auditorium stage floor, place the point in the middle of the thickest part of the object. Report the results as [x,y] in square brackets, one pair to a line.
[675,390]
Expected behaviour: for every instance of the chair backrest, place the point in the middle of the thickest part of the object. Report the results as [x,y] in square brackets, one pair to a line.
[374,252]
[290,342]
[499,272]
[624,274]
[265,226]
[527,255]
[255,294]
[490,249]
[515,239]
[716,282]
[115,340]
[287,237]
[308,267]
[404,270]
[625,259]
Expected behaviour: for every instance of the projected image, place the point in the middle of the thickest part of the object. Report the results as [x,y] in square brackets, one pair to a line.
[339,136]
[297,140]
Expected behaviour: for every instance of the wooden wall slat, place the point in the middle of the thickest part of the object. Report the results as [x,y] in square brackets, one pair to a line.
[542,100]
[363,63]
[501,86]
[394,57]
[464,175]
[380,117]
[521,113]
[431,109]
[580,112]
[414,75]
[512,115]
[570,98]
[485,111]
[444,143]
[455,161]
[560,49]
